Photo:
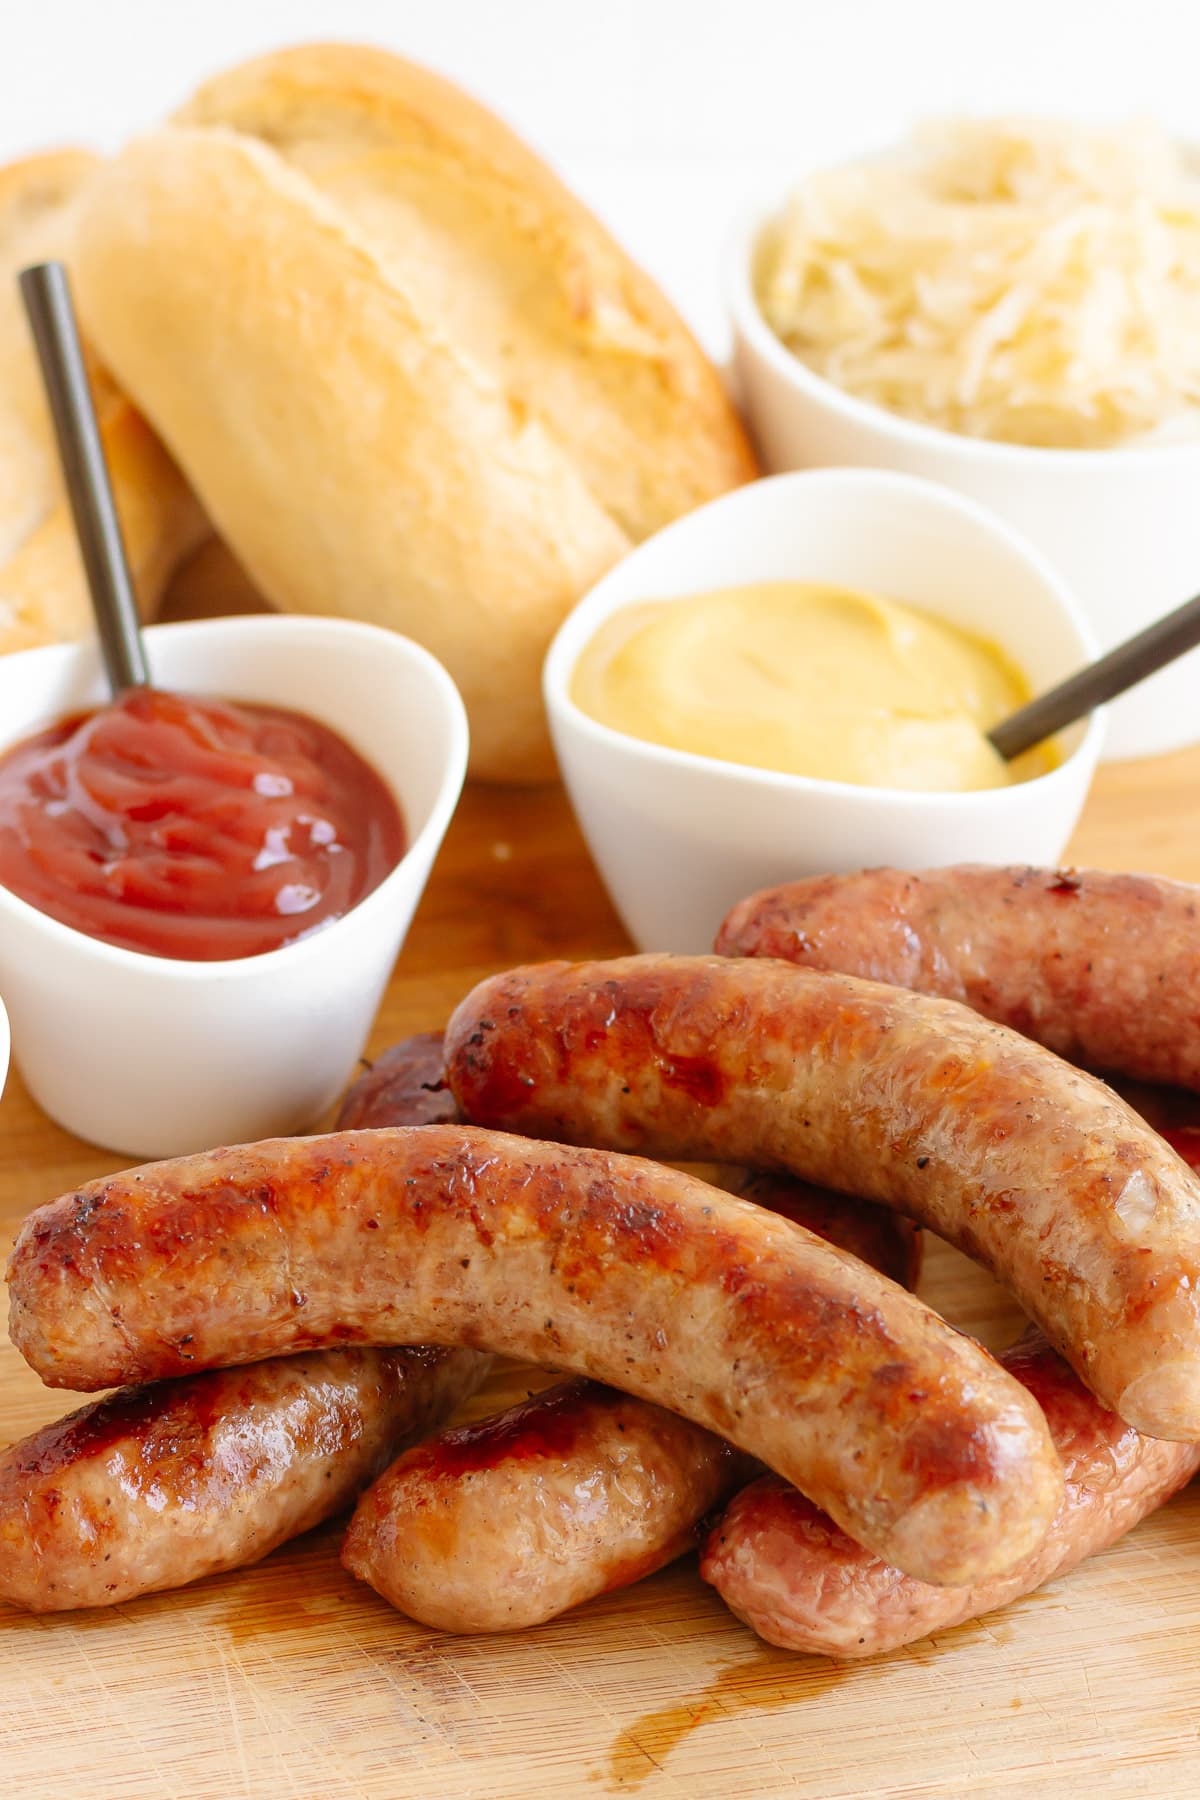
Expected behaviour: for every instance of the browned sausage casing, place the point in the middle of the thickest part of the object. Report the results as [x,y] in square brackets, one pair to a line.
[404,1086]
[903,1430]
[790,1574]
[501,1525]
[1037,1170]
[505,1524]
[156,1486]
[888,1241]
[1105,969]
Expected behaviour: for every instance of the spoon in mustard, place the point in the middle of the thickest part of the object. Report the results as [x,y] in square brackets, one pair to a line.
[1121,669]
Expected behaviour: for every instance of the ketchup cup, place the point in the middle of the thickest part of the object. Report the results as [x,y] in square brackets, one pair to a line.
[154,1056]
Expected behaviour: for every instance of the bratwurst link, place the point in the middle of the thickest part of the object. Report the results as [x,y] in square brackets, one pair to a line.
[1026,1164]
[906,1432]
[154,1487]
[405,1086]
[1104,969]
[791,1575]
[503,1524]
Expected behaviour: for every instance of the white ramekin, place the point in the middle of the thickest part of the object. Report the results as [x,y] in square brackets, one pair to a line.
[150,1056]
[678,838]
[1121,526]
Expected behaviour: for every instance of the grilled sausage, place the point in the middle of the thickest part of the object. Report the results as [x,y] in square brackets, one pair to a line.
[1034,1168]
[407,1086]
[156,1486]
[1104,969]
[1185,1142]
[501,1525]
[505,1524]
[888,1241]
[903,1430]
[404,1086]
[789,1573]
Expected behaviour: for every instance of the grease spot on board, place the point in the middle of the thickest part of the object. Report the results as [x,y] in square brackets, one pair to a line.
[761,1684]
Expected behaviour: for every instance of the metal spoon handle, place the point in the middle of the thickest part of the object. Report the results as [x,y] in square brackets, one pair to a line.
[1122,668]
[51,316]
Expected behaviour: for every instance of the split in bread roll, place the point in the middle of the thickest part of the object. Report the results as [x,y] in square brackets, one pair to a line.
[210,584]
[43,594]
[411,377]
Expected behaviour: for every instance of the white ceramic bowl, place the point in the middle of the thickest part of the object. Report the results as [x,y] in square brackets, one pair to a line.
[4,1048]
[678,838]
[1121,526]
[153,1057]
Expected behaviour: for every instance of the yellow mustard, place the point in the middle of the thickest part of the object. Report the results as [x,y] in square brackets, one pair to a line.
[811,680]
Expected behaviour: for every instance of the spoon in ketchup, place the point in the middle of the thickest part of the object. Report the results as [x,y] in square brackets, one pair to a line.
[47,300]
[174,824]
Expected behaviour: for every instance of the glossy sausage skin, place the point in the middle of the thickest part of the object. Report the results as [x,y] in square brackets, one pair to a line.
[505,1524]
[1035,1169]
[157,1486]
[404,1086]
[888,1241]
[1104,969]
[790,1574]
[407,1086]
[501,1525]
[903,1430]
[1185,1142]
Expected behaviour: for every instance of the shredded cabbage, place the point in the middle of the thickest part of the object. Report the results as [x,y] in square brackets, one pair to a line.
[1028,281]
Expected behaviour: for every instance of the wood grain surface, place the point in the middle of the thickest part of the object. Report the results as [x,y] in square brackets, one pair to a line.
[290,1680]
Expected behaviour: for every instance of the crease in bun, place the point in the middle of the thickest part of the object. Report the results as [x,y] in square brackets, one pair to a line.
[410,376]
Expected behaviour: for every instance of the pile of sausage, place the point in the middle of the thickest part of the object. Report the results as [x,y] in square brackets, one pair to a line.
[751,1371]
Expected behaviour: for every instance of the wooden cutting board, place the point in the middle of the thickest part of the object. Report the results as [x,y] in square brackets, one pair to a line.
[291,1680]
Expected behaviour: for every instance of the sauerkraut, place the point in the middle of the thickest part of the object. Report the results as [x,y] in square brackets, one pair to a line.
[1028,281]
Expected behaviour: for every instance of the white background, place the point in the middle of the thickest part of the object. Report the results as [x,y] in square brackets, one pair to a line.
[665,114]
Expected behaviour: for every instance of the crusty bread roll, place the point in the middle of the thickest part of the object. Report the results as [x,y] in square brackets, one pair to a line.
[43,595]
[411,378]
[210,584]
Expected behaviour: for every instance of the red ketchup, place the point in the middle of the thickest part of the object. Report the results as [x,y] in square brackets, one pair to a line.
[193,828]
